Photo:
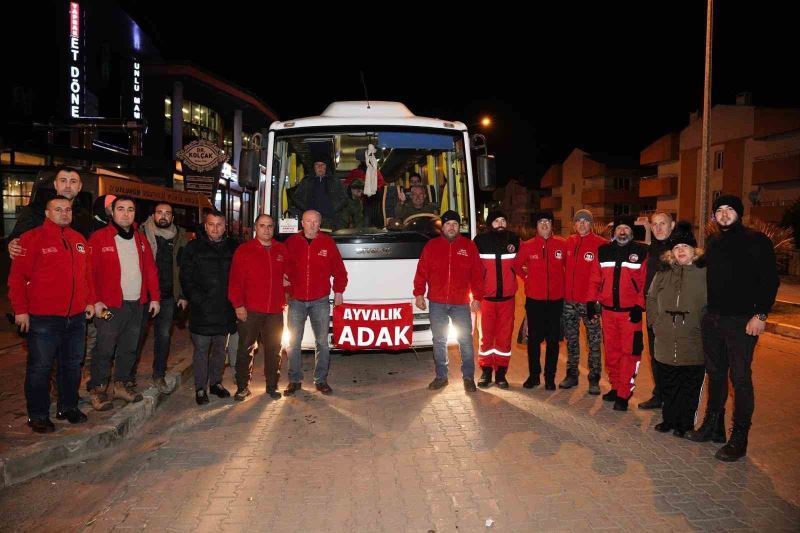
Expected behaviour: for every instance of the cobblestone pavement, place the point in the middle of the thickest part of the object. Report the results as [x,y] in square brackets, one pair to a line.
[385,454]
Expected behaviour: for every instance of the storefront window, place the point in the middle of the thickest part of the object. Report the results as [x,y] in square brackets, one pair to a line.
[16,194]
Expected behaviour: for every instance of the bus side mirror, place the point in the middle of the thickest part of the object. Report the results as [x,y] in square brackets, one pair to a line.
[487,173]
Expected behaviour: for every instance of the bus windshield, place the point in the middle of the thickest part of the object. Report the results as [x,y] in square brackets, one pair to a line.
[421,173]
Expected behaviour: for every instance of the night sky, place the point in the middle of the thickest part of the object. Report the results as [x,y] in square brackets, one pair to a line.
[607,77]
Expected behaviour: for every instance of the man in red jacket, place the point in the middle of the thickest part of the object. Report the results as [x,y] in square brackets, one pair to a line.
[618,282]
[450,267]
[582,249]
[498,248]
[52,293]
[256,292]
[313,260]
[540,262]
[125,280]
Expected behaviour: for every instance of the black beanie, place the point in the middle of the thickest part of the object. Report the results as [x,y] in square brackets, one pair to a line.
[682,234]
[450,215]
[494,214]
[624,220]
[543,214]
[731,201]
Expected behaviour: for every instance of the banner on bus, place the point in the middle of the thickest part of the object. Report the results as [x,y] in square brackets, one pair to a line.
[377,326]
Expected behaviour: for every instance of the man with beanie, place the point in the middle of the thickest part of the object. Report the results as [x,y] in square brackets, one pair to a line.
[322,192]
[125,280]
[497,248]
[617,282]
[742,284]
[582,248]
[661,225]
[167,241]
[540,263]
[450,268]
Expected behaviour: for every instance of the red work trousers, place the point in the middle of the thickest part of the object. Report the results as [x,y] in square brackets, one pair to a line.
[497,326]
[623,344]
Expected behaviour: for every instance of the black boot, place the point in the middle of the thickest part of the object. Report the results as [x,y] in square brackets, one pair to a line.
[736,448]
[570,380]
[500,377]
[712,428]
[486,377]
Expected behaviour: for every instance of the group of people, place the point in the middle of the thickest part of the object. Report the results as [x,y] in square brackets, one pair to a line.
[697,325]
[115,274]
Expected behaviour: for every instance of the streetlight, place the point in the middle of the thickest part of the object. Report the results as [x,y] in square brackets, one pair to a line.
[486,122]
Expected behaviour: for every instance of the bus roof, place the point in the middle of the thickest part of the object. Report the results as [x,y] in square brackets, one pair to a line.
[363,113]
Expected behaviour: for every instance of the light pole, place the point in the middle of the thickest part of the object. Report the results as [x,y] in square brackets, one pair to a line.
[704,178]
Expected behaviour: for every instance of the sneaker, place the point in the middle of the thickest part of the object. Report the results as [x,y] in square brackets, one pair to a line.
[621,404]
[161,385]
[594,388]
[531,382]
[438,383]
[99,399]
[73,416]
[652,403]
[292,388]
[323,387]
[469,385]
[127,391]
[610,396]
[242,393]
[41,425]
[201,397]
[219,390]
[274,394]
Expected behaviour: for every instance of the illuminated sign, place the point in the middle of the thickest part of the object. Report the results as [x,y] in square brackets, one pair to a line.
[137,89]
[74,64]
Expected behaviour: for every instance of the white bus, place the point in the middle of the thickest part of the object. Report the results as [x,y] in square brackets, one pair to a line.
[381,253]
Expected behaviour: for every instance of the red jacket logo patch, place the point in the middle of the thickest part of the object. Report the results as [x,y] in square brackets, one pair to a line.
[633,258]
[559,254]
[323,253]
[80,247]
[50,250]
[511,248]
[588,256]
[279,258]
[107,249]
[463,252]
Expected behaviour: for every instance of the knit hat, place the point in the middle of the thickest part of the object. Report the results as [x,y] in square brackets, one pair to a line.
[731,201]
[682,234]
[624,220]
[494,214]
[357,184]
[547,215]
[583,214]
[447,216]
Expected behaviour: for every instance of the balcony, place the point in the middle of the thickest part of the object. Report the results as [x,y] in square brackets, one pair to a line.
[663,150]
[772,212]
[658,186]
[607,196]
[776,170]
[552,178]
[550,203]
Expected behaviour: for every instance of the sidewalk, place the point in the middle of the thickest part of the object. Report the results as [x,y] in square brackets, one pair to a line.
[784,319]
[24,454]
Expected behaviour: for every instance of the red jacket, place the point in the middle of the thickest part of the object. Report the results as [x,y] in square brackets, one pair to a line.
[544,260]
[581,255]
[107,272]
[256,278]
[619,276]
[450,271]
[54,274]
[311,267]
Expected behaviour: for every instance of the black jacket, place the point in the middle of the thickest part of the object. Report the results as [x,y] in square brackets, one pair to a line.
[205,266]
[654,263]
[32,216]
[741,274]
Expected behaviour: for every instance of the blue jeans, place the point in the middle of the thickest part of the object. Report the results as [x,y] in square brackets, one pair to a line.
[319,311]
[162,331]
[60,338]
[462,321]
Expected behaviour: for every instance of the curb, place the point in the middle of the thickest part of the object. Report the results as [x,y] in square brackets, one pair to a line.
[785,330]
[36,459]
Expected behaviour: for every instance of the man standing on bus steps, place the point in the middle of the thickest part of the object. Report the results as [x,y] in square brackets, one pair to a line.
[167,240]
[450,268]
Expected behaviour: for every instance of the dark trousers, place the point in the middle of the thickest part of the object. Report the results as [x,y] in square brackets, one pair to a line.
[208,359]
[54,338]
[544,324]
[117,343]
[729,350]
[263,332]
[162,331]
[680,391]
[651,339]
